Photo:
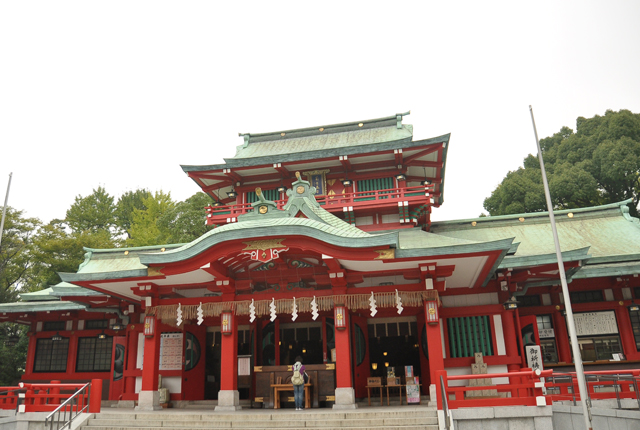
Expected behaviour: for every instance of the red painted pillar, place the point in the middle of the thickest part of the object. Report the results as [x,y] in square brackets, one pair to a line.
[626,333]
[511,346]
[151,361]
[229,358]
[345,396]
[343,355]
[228,396]
[562,338]
[96,396]
[131,351]
[434,342]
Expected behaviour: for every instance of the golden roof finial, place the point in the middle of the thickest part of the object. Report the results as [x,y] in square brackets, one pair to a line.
[298,175]
[258,191]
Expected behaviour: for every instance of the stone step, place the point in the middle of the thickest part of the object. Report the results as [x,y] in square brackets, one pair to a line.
[279,423]
[260,426]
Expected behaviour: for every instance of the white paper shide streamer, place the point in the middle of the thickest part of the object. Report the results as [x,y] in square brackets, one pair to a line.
[252,311]
[179,315]
[399,303]
[200,314]
[294,310]
[314,308]
[272,306]
[372,303]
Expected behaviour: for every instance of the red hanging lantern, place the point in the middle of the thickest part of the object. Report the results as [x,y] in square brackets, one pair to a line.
[226,322]
[432,312]
[149,326]
[340,317]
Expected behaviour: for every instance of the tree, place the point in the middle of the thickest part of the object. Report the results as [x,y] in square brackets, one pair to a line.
[598,164]
[127,204]
[92,213]
[55,249]
[15,258]
[144,225]
[185,221]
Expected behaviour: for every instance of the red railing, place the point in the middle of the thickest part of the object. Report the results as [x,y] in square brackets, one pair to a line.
[524,389]
[333,203]
[604,384]
[28,397]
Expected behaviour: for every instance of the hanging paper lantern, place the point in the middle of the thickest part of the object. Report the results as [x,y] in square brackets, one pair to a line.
[340,317]
[226,322]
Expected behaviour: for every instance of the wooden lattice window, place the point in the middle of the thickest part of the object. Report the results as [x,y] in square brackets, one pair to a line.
[468,335]
[586,296]
[51,355]
[94,355]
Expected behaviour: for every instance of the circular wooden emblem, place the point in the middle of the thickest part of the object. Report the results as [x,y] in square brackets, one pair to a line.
[263,209]
[432,311]
[300,189]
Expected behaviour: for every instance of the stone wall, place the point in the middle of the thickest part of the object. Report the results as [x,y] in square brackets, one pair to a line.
[571,418]
[504,418]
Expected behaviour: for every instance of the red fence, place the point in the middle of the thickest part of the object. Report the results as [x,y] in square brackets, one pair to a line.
[527,388]
[47,397]
[217,214]
[524,388]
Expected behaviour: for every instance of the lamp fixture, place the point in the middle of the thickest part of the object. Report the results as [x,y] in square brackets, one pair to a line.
[510,304]
[117,327]
[56,337]
[282,189]
[425,182]
[374,366]
[401,177]
[232,194]
[102,335]
[347,182]
[216,204]
[634,308]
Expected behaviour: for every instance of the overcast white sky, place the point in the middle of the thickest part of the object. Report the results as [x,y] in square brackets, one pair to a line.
[118,94]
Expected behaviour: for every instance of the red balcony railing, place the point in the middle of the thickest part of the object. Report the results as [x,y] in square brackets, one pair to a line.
[334,203]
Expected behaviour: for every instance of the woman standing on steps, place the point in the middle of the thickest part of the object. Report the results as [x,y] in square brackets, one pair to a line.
[298,383]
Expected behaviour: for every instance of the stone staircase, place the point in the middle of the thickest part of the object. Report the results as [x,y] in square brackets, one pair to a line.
[388,418]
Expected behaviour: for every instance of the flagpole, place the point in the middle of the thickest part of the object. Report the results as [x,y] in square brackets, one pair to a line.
[4,209]
[577,358]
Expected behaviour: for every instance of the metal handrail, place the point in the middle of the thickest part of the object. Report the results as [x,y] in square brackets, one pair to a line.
[445,405]
[75,403]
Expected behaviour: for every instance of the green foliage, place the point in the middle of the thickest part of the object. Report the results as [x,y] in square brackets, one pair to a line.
[598,164]
[14,357]
[93,213]
[127,204]
[185,221]
[15,260]
[145,229]
[55,249]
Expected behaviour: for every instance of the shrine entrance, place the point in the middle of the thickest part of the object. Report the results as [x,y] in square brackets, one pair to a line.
[393,345]
[212,354]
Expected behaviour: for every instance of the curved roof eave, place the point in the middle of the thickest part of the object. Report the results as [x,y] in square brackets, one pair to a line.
[538,260]
[195,248]
[102,276]
[311,155]
[502,245]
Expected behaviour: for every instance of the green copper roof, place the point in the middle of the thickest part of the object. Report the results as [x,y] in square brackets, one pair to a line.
[19,307]
[608,232]
[54,292]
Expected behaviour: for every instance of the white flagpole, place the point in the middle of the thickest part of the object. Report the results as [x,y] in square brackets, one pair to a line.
[577,358]
[4,209]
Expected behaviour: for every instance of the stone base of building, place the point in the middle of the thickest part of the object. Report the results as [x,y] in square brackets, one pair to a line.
[345,399]
[148,401]
[228,401]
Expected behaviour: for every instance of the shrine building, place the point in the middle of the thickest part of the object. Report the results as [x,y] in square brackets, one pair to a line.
[323,247]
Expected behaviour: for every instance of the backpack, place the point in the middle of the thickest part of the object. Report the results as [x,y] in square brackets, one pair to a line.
[297,378]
